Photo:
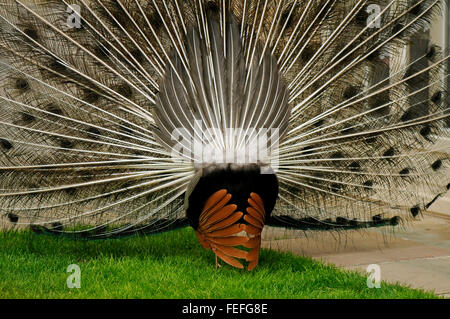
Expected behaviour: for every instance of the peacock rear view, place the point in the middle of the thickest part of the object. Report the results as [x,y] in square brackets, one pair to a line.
[122,117]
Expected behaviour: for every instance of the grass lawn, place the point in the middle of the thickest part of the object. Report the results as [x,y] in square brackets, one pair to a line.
[171,265]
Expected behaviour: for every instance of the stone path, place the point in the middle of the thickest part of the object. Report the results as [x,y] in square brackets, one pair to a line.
[418,257]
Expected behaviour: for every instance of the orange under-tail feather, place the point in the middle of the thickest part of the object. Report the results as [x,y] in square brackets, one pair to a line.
[220,230]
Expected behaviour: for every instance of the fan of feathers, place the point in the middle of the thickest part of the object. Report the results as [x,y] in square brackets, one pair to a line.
[123,117]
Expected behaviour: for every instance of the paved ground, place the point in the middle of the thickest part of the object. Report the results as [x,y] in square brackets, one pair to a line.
[418,256]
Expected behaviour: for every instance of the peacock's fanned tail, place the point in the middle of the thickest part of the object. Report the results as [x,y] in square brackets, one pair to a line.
[103,103]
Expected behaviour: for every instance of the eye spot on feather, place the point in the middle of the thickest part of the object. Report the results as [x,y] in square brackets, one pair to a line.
[70,191]
[413,75]
[120,17]
[355,166]
[431,52]
[394,221]
[342,220]
[346,55]
[31,33]
[325,10]
[319,90]
[404,172]
[139,153]
[212,7]
[288,17]
[336,188]
[350,92]
[425,131]
[319,123]
[154,18]
[307,150]
[409,115]
[137,55]
[368,184]
[437,97]
[101,52]
[22,84]
[396,30]
[27,118]
[348,129]
[285,19]
[353,222]
[374,56]
[432,201]
[13,218]
[307,53]
[371,138]
[377,218]
[90,97]
[5,144]
[125,90]
[361,17]
[86,176]
[54,109]
[94,132]
[415,210]
[389,153]
[127,185]
[380,106]
[65,143]
[125,129]
[436,165]
[416,8]
[337,155]
[58,66]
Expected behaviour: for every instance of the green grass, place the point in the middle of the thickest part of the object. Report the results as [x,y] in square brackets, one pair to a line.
[171,265]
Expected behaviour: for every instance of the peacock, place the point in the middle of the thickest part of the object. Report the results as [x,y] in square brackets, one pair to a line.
[125,117]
